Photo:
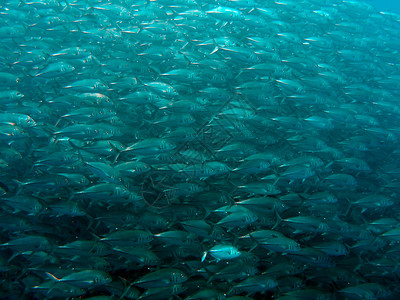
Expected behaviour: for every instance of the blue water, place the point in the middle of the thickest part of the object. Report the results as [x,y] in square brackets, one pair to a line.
[386,5]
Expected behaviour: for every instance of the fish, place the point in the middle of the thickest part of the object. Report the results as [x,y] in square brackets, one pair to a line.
[222,252]
[85,278]
[198,149]
[162,278]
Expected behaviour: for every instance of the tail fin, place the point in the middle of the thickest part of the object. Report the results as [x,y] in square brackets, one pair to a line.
[52,277]
[20,186]
[215,50]
[330,164]
[204,256]
[278,220]
[349,208]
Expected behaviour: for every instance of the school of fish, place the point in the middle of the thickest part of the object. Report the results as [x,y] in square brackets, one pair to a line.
[199,149]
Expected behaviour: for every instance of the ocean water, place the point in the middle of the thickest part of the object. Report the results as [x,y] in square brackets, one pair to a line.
[199,149]
[386,5]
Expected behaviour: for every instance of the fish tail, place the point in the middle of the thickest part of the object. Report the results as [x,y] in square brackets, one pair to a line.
[214,51]
[330,164]
[210,279]
[276,181]
[204,256]
[52,277]
[349,208]
[278,220]
[20,186]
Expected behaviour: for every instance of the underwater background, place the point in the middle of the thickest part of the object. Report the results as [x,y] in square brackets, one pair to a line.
[199,149]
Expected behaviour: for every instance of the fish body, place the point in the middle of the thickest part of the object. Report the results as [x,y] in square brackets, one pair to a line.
[161,278]
[84,279]
[222,252]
